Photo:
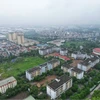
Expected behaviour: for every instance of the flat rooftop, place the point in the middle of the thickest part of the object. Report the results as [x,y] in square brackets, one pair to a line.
[59,81]
[7,80]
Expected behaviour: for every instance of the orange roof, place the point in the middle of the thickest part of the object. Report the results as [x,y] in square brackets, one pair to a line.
[62,57]
[96,50]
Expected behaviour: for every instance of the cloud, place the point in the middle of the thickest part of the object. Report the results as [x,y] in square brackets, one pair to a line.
[49,12]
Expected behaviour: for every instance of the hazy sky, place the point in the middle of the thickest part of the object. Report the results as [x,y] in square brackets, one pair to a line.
[49,12]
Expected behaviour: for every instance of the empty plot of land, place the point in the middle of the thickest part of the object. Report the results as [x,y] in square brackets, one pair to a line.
[13,69]
[47,80]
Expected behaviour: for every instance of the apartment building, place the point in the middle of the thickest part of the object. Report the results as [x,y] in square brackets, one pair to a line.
[88,63]
[10,82]
[78,55]
[48,50]
[58,86]
[63,51]
[76,72]
[53,63]
[20,39]
[31,73]
[12,36]
[66,68]
[45,51]
[16,37]
[73,71]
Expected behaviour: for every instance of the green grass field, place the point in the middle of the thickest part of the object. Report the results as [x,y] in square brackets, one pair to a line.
[68,44]
[22,64]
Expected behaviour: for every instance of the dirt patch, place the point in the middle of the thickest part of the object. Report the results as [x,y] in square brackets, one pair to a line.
[20,96]
[47,80]
[75,63]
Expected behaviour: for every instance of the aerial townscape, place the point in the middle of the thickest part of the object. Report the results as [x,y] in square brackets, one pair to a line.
[34,68]
[49,49]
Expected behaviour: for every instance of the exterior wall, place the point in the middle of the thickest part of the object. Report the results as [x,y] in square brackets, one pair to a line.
[75,56]
[63,52]
[22,38]
[80,76]
[66,69]
[14,36]
[49,66]
[51,93]
[43,69]
[82,67]
[10,37]
[54,94]
[86,68]
[28,76]
[42,52]
[8,85]
[19,39]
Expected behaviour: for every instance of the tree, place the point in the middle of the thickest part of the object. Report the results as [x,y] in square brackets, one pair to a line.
[34,91]
[74,88]
[63,96]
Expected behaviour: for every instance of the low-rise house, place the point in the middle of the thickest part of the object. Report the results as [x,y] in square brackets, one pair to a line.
[78,73]
[63,51]
[78,55]
[66,68]
[58,86]
[88,63]
[31,73]
[10,82]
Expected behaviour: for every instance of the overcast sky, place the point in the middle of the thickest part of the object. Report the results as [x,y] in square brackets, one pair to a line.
[49,12]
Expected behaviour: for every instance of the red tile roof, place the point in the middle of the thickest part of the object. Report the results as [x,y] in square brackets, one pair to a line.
[62,57]
[96,50]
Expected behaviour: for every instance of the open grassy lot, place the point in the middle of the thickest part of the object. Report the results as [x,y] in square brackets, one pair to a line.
[76,43]
[20,65]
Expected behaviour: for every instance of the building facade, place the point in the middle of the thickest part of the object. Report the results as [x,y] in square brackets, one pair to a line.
[78,55]
[31,73]
[63,51]
[16,37]
[76,72]
[20,39]
[10,82]
[73,71]
[58,86]
[66,68]
[88,63]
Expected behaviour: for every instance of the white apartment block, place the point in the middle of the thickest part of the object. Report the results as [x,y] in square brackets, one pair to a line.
[58,86]
[10,82]
[63,51]
[88,63]
[35,71]
[78,55]
[76,72]
[73,71]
